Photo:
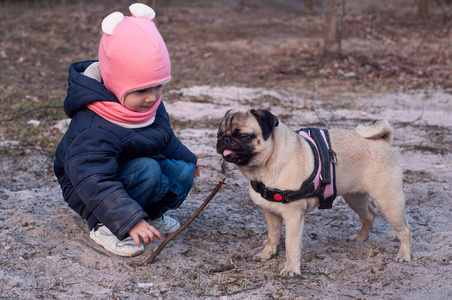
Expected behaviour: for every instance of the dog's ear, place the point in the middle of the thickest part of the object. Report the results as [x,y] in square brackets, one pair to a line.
[221,123]
[267,121]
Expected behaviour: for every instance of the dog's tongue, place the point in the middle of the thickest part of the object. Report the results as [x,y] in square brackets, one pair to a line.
[227,152]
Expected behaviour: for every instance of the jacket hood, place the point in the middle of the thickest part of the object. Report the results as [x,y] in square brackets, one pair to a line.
[83,90]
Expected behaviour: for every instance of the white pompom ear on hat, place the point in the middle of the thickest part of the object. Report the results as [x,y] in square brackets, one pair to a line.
[111,21]
[138,10]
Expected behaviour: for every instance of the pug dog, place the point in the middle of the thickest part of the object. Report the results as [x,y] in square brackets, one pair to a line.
[281,160]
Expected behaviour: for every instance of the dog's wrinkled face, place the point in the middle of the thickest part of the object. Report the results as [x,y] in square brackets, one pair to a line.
[242,134]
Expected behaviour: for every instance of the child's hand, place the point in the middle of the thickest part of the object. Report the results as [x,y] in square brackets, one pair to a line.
[197,171]
[144,231]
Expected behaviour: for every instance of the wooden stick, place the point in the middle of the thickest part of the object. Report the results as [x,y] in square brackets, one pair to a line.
[319,116]
[195,214]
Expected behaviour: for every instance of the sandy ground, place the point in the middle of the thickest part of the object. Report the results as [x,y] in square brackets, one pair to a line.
[46,252]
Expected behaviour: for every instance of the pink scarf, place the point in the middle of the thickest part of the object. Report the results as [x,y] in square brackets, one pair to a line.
[120,115]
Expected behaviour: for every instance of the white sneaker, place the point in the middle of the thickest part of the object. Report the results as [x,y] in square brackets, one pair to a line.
[165,225]
[127,247]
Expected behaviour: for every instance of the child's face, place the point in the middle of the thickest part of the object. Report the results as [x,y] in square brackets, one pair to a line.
[142,100]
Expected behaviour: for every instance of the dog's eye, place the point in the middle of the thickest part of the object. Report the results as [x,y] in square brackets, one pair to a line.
[242,135]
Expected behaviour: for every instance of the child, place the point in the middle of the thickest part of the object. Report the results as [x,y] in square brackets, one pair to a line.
[119,164]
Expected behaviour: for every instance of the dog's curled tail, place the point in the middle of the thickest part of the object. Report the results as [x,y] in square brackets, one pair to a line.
[374,130]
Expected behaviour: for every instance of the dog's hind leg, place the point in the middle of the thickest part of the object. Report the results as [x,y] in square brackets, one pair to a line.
[274,223]
[391,203]
[361,204]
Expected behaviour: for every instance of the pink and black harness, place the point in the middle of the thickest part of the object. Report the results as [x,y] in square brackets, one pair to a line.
[321,183]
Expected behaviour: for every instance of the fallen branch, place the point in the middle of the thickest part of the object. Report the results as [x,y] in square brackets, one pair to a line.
[221,268]
[319,116]
[334,219]
[174,234]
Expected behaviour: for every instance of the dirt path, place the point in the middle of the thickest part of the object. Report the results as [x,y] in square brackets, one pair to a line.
[46,252]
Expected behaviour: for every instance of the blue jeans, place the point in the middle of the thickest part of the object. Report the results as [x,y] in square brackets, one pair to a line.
[157,186]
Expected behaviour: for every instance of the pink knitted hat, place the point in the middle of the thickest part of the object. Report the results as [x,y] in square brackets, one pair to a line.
[132,53]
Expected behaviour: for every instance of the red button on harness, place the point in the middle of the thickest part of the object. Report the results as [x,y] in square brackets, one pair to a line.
[277,197]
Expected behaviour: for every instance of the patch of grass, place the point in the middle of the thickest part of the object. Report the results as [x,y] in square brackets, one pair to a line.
[318,273]
[30,137]
[348,106]
[435,148]
[178,124]
[34,57]
[411,176]
[8,151]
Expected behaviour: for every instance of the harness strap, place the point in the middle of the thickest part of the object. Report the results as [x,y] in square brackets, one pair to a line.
[321,183]
[307,191]
[323,146]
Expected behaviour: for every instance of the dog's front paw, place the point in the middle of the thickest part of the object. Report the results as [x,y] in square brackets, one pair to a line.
[290,271]
[403,257]
[266,254]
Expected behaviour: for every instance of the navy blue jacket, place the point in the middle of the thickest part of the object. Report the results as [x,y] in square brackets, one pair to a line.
[90,152]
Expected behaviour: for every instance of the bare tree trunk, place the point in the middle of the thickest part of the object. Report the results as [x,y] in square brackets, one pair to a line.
[422,7]
[151,3]
[333,34]
[240,6]
[309,7]
[446,8]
